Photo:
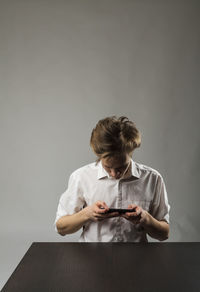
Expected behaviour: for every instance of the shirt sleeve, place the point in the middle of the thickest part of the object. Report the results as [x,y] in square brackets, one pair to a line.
[160,207]
[72,200]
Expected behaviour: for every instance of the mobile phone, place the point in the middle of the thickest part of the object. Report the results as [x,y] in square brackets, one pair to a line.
[120,211]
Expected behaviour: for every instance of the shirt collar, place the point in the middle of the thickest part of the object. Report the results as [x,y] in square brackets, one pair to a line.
[103,173]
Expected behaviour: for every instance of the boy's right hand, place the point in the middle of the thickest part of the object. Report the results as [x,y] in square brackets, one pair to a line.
[97,211]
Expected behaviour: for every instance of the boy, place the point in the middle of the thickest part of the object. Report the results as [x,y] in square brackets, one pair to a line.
[114,181]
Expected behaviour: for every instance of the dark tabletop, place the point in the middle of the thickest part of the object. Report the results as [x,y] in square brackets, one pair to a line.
[57,267]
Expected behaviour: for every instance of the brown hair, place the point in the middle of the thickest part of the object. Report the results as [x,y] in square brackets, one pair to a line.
[113,136]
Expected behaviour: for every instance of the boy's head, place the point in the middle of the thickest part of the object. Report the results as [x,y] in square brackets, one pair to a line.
[113,140]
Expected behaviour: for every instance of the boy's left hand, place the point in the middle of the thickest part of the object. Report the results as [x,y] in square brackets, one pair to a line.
[136,217]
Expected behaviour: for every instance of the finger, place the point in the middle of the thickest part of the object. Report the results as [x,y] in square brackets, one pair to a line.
[113,214]
[99,216]
[100,210]
[102,215]
[132,206]
[138,210]
[99,204]
[105,206]
[101,207]
[109,215]
[131,214]
[134,213]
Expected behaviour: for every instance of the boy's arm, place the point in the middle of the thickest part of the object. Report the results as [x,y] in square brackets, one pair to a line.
[156,229]
[71,223]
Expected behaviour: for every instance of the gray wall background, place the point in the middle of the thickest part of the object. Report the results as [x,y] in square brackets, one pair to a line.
[66,64]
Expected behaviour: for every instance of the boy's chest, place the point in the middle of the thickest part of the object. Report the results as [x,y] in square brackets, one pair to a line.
[120,194]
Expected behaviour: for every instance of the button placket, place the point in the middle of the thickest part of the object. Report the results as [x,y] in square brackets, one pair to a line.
[120,195]
[118,229]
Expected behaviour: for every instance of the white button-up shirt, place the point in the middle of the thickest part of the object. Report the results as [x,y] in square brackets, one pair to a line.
[144,187]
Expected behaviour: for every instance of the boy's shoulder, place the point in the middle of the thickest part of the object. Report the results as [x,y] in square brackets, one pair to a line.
[88,168]
[144,169]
